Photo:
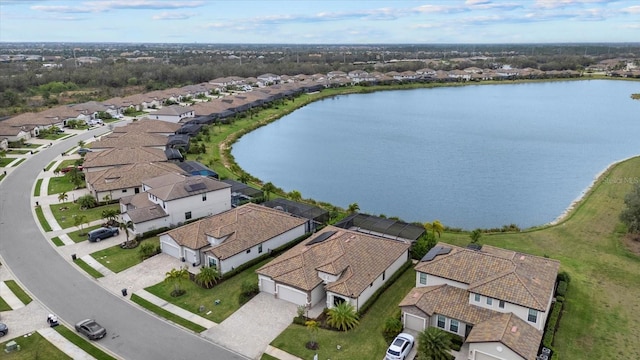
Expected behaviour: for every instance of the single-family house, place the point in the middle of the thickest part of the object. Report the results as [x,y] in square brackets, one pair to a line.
[171,199]
[129,139]
[173,113]
[113,157]
[334,265]
[230,239]
[316,214]
[149,126]
[125,180]
[493,298]
[14,133]
[196,168]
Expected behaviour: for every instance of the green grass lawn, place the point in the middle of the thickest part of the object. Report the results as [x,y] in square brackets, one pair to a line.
[83,344]
[33,347]
[364,342]
[602,311]
[167,315]
[50,165]
[17,291]
[88,269]
[227,292]
[18,152]
[6,161]
[81,235]
[2,176]
[58,184]
[65,218]
[66,163]
[3,305]
[36,190]
[19,162]
[117,259]
[56,241]
[43,221]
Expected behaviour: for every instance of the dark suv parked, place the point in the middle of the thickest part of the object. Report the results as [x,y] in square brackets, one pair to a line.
[102,233]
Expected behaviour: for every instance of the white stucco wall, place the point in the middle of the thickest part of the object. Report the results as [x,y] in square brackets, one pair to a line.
[520,311]
[217,202]
[113,194]
[436,280]
[447,327]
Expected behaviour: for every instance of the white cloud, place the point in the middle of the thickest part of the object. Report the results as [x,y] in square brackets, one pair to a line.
[173,16]
[632,9]
[104,6]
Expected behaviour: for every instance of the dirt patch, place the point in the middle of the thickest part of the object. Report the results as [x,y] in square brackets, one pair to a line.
[632,242]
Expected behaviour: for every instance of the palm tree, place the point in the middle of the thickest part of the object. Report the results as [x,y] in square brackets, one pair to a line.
[295,195]
[176,277]
[81,143]
[207,277]
[80,220]
[343,316]
[436,227]
[125,226]
[434,344]
[475,235]
[313,327]
[353,207]
[63,196]
[110,215]
[267,189]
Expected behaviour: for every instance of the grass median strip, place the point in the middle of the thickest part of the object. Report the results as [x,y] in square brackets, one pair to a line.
[43,221]
[3,305]
[57,242]
[19,162]
[36,191]
[50,165]
[17,291]
[83,344]
[88,268]
[167,314]
[34,346]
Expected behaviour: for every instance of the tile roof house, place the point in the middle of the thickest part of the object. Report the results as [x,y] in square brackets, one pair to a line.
[173,113]
[109,158]
[171,199]
[231,238]
[488,296]
[149,126]
[334,265]
[125,180]
[129,139]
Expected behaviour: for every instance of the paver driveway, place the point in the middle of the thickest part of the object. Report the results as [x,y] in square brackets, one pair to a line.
[250,329]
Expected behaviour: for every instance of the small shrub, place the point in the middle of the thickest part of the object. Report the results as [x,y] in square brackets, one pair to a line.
[299,320]
[148,250]
[559,299]
[552,325]
[564,276]
[392,327]
[562,289]
[249,289]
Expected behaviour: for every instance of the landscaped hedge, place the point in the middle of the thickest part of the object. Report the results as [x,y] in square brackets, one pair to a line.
[562,289]
[385,286]
[152,233]
[552,325]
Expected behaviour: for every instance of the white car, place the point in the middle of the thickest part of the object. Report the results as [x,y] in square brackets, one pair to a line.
[400,347]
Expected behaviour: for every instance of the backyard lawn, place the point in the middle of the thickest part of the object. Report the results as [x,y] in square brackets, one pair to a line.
[365,342]
[227,292]
[65,213]
[117,259]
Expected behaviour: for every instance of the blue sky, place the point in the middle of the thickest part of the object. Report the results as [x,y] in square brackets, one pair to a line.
[320,22]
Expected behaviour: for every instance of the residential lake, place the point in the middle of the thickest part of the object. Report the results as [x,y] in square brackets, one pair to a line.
[477,156]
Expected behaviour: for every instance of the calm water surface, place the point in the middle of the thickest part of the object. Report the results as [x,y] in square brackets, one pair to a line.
[473,156]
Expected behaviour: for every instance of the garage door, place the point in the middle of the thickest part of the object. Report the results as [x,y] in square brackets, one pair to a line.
[267,285]
[413,322]
[483,356]
[171,250]
[291,295]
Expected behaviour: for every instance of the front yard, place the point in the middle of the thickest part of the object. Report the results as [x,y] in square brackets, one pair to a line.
[118,259]
[59,184]
[227,292]
[65,213]
[365,342]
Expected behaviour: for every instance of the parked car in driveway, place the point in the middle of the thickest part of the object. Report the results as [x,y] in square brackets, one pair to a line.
[102,233]
[400,347]
[69,168]
[91,329]
[83,151]
[4,329]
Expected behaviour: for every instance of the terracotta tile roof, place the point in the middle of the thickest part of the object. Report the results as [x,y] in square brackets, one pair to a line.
[148,126]
[186,186]
[517,278]
[129,139]
[123,156]
[128,176]
[244,227]
[30,119]
[511,331]
[358,258]
[174,110]
[146,213]
[446,300]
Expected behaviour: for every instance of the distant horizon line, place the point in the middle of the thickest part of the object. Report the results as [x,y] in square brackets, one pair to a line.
[319,44]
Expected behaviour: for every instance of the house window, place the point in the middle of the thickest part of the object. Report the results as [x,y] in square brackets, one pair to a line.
[163,205]
[533,316]
[453,326]
[423,279]
[260,249]
[136,190]
[441,321]
[124,190]
[476,297]
[384,275]
[187,215]
[204,197]
[489,301]
[501,304]
[213,263]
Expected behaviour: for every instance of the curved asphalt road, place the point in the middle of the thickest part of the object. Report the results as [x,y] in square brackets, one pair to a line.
[131,333]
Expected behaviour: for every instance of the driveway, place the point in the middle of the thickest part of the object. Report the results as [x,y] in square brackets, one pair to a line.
[254,326]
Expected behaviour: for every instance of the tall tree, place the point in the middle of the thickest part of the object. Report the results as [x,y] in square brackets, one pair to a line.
[343,316]
[434,344]
[268,189]
[630,216]
[110,215]
[435,227]
[353,208]
[125,226]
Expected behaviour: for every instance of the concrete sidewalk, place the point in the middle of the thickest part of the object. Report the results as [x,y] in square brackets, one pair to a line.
[9,297]
[175,309]
[64,345]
